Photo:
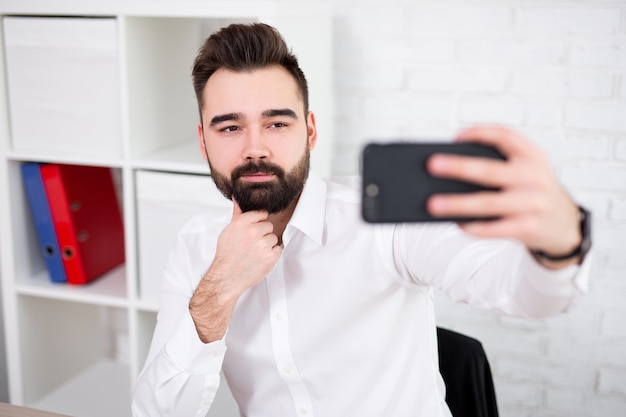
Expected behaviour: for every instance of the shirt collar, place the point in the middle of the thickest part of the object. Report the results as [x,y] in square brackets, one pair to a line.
[308,217]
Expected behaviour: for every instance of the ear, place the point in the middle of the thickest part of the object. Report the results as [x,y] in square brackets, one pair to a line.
[311,130]
[201,139]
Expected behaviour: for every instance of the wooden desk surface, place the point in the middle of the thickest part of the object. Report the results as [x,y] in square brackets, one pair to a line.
[10,410]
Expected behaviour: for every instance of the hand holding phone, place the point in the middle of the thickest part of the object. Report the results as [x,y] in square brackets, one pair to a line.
[396,183]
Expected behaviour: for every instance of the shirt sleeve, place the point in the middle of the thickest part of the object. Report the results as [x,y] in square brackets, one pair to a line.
[181,374]
[494,274]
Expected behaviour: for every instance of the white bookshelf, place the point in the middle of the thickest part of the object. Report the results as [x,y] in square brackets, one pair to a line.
[78,350]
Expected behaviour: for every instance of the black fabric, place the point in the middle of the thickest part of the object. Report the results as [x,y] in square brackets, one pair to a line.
[467,375]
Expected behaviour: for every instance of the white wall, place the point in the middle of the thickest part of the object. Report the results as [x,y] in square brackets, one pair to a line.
[556,70]
[4,382]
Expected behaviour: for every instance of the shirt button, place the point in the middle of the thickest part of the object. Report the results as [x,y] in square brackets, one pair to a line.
[303,411]
[287,370]
[279,316]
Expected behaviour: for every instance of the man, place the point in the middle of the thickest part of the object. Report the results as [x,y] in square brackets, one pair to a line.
[308,310]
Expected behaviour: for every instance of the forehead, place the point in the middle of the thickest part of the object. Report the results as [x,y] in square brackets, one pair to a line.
[250,92]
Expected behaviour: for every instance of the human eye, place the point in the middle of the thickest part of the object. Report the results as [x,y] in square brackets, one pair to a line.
[278,125]
[229,129]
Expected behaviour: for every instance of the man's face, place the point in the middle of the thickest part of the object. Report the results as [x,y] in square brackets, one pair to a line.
[256,137]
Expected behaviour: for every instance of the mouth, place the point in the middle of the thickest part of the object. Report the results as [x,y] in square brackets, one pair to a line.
[258,177]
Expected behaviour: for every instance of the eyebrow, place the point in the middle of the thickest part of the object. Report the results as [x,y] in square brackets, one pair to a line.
[225,118]
[279,112]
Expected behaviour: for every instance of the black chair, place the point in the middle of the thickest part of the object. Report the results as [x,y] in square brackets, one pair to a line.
[467,375]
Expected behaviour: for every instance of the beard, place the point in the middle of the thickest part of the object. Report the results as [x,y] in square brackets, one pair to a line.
[272,196]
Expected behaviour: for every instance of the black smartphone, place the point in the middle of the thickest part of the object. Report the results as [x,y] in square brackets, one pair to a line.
[396,184]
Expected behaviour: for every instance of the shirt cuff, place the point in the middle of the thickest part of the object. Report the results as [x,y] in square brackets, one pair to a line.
[187,352]
[557,282]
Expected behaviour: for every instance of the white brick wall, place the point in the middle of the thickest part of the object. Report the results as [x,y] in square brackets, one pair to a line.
[556,70]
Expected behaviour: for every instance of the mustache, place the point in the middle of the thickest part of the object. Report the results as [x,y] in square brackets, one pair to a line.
[252,168]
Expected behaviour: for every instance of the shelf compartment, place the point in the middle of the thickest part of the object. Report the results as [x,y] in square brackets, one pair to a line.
[75,115]
[102,390]
[68,343]
[31,275]
[157,59]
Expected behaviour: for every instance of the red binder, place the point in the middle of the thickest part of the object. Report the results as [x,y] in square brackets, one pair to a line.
[86,215]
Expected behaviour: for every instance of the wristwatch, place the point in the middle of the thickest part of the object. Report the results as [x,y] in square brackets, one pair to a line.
[584,218]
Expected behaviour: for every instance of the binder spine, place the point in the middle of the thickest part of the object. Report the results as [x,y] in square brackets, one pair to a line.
[42,218]
[57,197]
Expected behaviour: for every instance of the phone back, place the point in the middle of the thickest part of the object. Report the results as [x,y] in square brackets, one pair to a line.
[396,185]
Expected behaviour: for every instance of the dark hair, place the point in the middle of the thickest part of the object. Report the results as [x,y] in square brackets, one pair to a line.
[245,47]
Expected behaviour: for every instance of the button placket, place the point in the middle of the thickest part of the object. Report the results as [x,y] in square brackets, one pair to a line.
[279,325]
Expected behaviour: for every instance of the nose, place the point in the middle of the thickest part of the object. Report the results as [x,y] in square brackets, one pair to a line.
[254,146]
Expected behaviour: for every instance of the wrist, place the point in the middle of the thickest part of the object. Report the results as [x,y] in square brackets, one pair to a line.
[575,256]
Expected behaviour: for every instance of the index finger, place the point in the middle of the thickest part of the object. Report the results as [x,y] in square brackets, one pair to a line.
[236,209]
[253,215]
[479,170]
[507,141]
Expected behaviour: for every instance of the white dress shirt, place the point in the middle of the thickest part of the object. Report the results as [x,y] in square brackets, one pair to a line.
[344,324]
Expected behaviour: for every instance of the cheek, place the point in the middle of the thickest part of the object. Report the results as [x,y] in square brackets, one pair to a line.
[291,151]
[295,159]
[221,158]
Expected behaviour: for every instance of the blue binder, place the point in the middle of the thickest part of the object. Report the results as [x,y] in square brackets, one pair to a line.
[42,218]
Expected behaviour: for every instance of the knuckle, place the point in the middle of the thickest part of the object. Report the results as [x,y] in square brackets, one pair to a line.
[531,228]
[539,204]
